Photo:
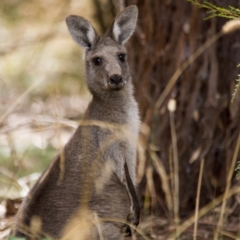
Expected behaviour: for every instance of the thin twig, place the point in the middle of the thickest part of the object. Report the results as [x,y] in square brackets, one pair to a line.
[228,184]
[172,108]
[197,199]
[164,178]
[186,224]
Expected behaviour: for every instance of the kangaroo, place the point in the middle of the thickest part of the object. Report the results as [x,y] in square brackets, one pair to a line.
[89,191]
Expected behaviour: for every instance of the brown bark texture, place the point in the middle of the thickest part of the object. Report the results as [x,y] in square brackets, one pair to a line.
[207,123]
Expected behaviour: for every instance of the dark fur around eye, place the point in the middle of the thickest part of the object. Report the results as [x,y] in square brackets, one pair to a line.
[97,61]
[122,57]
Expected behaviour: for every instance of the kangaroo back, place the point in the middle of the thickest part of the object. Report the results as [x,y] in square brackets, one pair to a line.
[89,191]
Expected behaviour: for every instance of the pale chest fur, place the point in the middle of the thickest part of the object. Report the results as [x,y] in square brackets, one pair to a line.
[133,123]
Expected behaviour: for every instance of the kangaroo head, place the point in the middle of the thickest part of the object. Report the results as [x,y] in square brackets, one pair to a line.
[105,58]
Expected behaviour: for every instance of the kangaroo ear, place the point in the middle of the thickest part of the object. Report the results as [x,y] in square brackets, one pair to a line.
[124,24]
[82,31]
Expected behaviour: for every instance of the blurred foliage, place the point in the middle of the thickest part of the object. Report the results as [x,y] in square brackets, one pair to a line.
[36,45]
[36,51]
[31,159]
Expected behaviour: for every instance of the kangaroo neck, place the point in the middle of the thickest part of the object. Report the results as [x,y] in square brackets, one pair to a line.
[118,99]
[110,109]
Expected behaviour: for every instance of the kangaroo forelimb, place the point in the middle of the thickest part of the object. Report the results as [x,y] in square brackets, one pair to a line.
[134,215]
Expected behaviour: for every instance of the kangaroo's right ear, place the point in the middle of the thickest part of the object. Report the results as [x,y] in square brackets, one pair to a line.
[124,24]
[82,31]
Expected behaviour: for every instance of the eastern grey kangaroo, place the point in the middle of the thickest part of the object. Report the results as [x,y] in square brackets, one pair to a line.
[89,191]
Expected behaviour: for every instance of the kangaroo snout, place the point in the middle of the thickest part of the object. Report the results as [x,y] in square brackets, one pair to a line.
[116,82]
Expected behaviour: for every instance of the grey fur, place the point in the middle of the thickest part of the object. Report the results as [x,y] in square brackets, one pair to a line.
[94,177]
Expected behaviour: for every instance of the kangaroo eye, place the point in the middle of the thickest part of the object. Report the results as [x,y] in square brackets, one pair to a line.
[97,61]
[122,57]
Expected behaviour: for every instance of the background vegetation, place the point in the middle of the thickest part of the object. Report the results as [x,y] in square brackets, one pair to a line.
[190,133]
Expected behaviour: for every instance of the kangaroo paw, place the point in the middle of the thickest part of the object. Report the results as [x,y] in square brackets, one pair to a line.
[126,229]
[133,218]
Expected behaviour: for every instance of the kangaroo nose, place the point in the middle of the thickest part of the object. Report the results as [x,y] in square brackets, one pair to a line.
[116,79]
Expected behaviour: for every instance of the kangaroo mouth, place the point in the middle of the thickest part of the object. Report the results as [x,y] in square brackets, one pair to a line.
[116,87]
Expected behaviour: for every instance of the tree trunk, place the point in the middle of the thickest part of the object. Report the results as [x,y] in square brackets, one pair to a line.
[206,122]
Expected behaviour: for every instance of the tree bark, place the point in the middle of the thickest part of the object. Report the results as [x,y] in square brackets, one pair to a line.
[207,123]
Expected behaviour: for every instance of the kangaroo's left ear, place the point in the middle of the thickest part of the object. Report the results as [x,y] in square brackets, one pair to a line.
[124,25]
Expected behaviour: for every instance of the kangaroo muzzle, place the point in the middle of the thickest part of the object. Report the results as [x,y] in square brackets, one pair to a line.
[116,82]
